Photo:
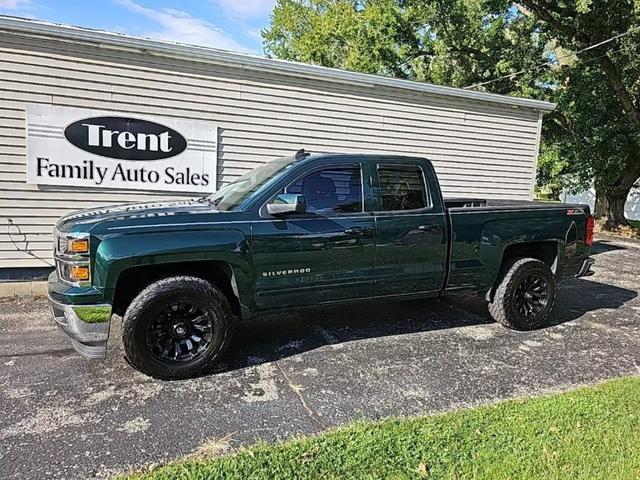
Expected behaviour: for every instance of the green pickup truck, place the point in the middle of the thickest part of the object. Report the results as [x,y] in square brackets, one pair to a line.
[299,232]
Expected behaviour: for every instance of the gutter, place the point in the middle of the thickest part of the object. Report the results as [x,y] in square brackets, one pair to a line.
[119,41]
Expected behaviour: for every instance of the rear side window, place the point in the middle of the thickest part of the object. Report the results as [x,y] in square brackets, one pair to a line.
[402,187]
[331,190]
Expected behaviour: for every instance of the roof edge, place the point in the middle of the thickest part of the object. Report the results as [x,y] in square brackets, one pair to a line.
[105,39]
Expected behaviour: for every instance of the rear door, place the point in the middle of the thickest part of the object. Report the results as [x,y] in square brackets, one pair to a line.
[411,228]
[324,255]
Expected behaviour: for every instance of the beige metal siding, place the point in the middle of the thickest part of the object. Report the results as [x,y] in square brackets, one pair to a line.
[478,148]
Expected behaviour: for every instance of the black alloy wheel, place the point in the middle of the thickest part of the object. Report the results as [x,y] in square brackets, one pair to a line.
[531,295]
[182,332]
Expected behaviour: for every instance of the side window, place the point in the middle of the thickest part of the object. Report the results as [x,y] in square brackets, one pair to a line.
[331,190]
[402,187]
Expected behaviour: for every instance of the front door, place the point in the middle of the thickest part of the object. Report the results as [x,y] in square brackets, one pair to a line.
[411,243]
[322,256]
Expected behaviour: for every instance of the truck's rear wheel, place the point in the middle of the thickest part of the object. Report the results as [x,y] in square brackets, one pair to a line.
[177,327]
[525,294]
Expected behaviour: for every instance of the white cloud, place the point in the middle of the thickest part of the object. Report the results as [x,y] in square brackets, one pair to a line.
[245,8]
[13,4]
[179,26]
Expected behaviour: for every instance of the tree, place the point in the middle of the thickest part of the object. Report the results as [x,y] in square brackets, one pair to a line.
[372,37]
[457,42]
[593,138]
[551,169]
[596,128]
[597,123]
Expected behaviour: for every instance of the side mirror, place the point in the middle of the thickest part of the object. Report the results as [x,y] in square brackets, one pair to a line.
[286,203]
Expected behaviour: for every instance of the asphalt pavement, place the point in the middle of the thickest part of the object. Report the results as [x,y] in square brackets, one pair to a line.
[62,416]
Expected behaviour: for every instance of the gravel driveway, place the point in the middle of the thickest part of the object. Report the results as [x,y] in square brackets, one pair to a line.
[62,416]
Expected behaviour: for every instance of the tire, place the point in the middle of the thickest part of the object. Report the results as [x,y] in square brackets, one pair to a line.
[525,294]
[187,317]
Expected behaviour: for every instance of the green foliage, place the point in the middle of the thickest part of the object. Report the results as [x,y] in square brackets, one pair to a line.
[370,37]
[453,42]
[552,169]
[591,433]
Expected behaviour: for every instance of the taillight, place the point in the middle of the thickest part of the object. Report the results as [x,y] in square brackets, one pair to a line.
[588,234]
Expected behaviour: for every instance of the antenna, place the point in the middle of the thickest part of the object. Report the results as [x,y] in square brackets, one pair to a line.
[301,153]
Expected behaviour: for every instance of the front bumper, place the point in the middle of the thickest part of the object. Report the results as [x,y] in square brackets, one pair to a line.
[87,326]
[585,268]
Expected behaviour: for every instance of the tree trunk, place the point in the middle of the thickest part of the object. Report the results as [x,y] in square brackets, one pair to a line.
[616,195]
[615,208]
[601,207]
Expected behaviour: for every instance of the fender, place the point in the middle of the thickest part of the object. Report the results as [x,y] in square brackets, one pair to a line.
[116,254]
[499,235]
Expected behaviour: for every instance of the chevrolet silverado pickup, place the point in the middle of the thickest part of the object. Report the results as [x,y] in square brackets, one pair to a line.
[298,232]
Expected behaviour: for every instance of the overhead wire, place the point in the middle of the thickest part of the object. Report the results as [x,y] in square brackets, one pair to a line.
[549,63]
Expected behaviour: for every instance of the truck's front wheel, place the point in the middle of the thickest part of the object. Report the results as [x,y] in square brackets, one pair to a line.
[525,294]
[177,327]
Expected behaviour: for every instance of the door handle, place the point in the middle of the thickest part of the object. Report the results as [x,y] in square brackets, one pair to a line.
[429,228]
[358,231]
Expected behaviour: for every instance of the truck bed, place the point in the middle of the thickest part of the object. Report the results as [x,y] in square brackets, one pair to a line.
[481,230]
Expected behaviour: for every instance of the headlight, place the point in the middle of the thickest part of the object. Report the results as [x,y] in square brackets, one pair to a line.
[76,245]
[74,273]
[71,252]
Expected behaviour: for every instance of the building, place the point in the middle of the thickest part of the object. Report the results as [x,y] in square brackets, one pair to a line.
[240,110]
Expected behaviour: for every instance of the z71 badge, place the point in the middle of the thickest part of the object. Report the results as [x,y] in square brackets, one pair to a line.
[575,211]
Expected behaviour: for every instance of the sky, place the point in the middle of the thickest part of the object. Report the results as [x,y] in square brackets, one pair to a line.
[227,24]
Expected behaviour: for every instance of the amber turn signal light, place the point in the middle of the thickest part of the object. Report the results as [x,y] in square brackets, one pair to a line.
[78,245]
[79,273]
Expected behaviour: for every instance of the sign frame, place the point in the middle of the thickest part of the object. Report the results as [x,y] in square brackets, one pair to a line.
[121,150]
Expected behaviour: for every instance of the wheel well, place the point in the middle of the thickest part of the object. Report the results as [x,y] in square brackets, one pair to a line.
[133,280]
[546,252]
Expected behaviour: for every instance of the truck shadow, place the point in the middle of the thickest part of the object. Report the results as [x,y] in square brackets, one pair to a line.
[603,246]
[279,336]
[576,297]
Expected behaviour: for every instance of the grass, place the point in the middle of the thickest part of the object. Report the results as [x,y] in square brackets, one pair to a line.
[590,433]
[634,223]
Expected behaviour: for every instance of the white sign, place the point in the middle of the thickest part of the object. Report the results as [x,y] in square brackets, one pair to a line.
[90,148]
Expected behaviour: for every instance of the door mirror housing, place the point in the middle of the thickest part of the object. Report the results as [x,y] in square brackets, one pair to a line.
[287,203]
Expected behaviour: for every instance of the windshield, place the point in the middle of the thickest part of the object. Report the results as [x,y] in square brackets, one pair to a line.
[232,195]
